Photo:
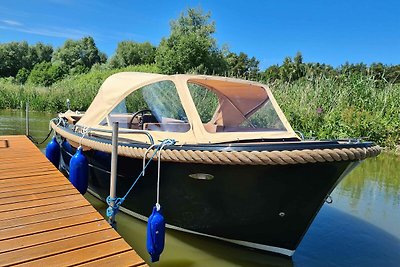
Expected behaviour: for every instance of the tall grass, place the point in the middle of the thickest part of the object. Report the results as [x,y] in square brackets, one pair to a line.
[326,108]
[323,108]
[80,89]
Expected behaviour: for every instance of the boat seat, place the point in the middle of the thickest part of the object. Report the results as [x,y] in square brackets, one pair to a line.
[210,127]
[167,127]
[213,128]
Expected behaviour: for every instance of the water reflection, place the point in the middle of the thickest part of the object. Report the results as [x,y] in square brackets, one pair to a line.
[337,238]
[372,192]
[383,172]
[12,122]
[360,228]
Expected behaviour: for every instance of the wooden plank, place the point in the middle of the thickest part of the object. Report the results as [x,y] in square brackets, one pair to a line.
[37,196]
[23,163]
[45,221]
[15,158]
[35,186]
[53,235]
[57,247]
[128,258]
[29,180]
[84,255]
[10,168]
[39,218]
[78,219]
[35,166]
[27,173]
[40,174]
[42,202]
[31,191]
[29,167]
[38,178]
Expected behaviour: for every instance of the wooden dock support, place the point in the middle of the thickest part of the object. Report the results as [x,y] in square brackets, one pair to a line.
[27,119]
[45,221]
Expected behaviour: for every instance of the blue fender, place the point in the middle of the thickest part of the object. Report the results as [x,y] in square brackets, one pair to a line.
[53,152]
[155,234]
[67,146]
[79,171]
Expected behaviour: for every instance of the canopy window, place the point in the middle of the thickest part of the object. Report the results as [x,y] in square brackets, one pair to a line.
[234,107]
[155,107]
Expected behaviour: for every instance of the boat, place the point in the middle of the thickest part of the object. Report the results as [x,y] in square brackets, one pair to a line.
[237,171]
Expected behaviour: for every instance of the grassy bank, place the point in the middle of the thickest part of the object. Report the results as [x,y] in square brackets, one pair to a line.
[323,108]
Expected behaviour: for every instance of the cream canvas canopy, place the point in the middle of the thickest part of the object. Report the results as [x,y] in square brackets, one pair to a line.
[237,100]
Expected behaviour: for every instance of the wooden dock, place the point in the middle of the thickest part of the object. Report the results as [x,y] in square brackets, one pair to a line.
[45,221]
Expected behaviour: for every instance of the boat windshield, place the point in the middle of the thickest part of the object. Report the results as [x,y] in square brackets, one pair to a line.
[155,107]
[234,107]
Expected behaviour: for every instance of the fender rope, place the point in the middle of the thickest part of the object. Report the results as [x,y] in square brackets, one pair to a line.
[112,210]
[284,157]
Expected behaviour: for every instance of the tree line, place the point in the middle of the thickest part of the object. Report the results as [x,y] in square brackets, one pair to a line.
[190,48]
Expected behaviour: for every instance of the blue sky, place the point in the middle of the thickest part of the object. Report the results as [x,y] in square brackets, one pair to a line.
[330,32]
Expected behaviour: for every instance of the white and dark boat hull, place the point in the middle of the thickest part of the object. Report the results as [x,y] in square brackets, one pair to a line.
[268,207]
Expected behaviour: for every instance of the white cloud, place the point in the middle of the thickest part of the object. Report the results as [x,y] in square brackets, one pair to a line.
[60,32]
[65,32]
[56,32]
[11,22]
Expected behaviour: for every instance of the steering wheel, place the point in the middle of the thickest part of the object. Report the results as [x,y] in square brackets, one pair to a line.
[140,112]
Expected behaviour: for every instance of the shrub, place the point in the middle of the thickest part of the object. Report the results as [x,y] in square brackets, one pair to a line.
[46,74]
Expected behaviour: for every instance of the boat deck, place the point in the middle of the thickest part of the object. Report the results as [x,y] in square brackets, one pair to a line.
[45,221]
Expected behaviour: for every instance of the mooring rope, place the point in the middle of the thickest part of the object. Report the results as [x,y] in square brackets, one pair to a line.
[37,142]
[113,209]
[59,121]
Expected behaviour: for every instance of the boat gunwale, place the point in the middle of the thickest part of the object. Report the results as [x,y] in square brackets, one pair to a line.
[267,145]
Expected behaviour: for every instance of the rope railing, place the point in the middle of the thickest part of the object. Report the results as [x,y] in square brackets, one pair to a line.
[284,157]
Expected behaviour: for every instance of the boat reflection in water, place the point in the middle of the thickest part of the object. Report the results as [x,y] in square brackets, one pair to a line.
[237,172]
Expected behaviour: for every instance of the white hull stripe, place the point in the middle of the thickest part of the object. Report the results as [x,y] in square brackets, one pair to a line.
[279,250]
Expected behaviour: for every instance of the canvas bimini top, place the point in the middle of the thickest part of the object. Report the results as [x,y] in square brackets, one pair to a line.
[192,109]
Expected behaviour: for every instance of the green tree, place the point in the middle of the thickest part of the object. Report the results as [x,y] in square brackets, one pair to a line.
[242,66]
[190,46]
[103,58]
[348,69]
[78,56]
[271,74]
[22,76]
[286,70]
[46,74]
[130,53]
[39,53]
[313,71]
[393,73]
[13,56]
[292,69]
[17,55]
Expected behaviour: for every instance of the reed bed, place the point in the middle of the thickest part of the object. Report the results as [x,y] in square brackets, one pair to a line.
[321,108]
[326,108]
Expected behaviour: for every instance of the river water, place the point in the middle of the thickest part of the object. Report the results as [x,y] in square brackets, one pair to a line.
[360,228]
